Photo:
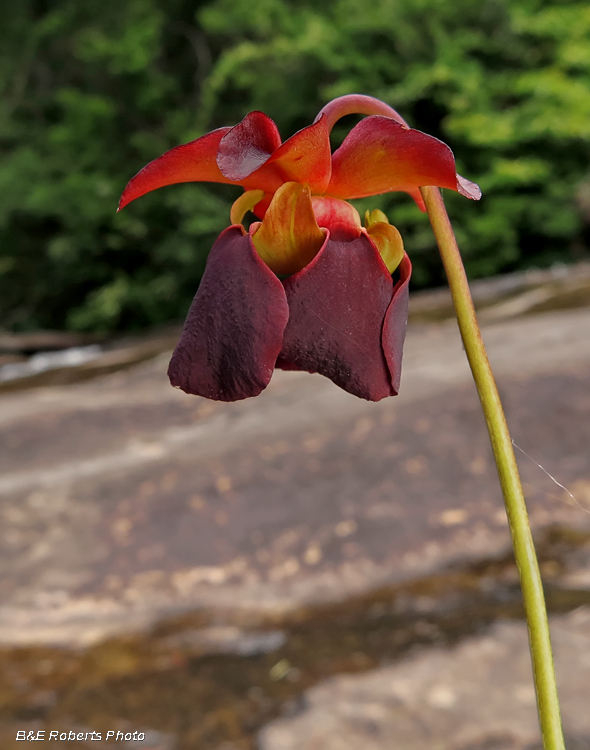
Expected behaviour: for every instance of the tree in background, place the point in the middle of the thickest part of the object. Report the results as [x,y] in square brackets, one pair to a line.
[92,91]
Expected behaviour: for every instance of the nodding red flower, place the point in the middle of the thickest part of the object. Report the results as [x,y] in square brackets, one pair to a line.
[307,287]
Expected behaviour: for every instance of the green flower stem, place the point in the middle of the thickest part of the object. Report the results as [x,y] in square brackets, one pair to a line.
[522,539]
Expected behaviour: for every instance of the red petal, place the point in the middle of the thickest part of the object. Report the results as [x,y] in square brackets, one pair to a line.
[234,329]
[396,320]
[337,305]
[192,162]
[417,196]
[380,155]
[247,146]
[357,104]
[306,157]
[340,217]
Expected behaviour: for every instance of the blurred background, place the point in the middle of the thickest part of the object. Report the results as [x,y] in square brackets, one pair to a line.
[303,570]
[90,92]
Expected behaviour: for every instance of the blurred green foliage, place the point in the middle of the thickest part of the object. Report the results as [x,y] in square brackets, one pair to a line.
[90,92]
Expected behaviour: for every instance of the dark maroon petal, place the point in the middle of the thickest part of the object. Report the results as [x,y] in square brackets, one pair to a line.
[337,305]
[234,329]
[247,146]
[282,364]
[396,321]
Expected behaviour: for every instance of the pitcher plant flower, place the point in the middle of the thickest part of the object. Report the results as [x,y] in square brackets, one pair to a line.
[307,287]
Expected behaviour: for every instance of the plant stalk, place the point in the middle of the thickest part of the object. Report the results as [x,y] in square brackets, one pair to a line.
[522,539]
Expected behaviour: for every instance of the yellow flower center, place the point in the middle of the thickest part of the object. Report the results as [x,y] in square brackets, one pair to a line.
[294,227]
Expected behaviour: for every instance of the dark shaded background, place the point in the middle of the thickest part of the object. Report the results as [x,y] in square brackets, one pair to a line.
[90,92]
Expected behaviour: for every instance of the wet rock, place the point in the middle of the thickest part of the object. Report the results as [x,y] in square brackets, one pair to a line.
[44,361]
[225,640]
[154,740]
[60,365]
[475,696]
[37,341]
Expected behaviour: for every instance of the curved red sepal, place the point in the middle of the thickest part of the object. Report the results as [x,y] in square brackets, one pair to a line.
[247,146]
[357,104]
[337,307]
[306,157]
[381,155]
[191,162]
[234,329]
[396,323]
[245,156]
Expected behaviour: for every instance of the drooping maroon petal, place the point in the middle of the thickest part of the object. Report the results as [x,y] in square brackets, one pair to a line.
[234,329]
[282,364]
[247,146]
[396,321]
[337,305]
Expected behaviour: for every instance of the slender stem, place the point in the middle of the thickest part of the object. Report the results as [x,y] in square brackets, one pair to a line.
[522,539]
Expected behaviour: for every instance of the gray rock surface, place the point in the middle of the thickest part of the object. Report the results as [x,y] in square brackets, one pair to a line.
[123,500]
[215,565]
